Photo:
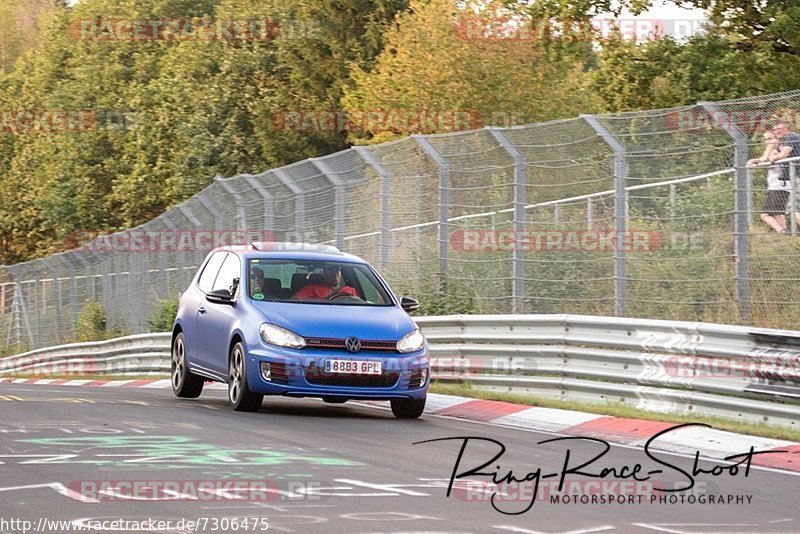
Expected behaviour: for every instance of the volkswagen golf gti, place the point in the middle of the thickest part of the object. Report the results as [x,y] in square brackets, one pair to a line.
[297,320]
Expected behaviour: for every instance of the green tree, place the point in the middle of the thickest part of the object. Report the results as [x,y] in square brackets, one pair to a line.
[166,115]
[438,58]
[21,22]
[748,47]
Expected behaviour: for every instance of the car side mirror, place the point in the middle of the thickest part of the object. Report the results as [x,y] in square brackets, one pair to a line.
[409,304]
[220,296]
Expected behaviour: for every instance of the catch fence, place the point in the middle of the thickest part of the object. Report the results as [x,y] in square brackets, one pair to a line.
[648,214]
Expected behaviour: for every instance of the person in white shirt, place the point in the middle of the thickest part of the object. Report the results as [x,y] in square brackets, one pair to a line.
[778,185]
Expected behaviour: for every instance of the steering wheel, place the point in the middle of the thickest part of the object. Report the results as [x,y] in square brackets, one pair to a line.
[340,294]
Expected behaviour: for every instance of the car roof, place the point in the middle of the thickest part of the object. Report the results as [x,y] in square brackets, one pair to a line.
[289,250]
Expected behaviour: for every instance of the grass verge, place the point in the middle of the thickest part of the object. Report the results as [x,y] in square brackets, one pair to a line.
[620,410]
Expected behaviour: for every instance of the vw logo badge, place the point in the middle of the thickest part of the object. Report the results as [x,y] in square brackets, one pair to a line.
[352,344]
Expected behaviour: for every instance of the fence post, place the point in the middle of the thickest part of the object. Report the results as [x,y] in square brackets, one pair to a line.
[74,309]
[209,205]
[742,203]
[444,202]
[620,213]
[673,190]
[241,217]
[793,196]
[373,162]
[338,192]
[269,202]
[299,201]
[21,312]
[520,178]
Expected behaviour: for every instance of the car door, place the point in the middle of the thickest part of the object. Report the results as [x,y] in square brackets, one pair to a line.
[215,324]
[197,305]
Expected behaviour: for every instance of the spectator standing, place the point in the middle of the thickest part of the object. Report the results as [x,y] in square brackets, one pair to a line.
[774,207]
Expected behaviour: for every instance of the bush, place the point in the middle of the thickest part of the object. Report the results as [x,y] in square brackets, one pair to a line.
[163,316]
[456,298]
[91,323]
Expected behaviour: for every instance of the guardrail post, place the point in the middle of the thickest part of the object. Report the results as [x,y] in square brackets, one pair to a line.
[620,213]
[520,178]
[338,192]
[742,203]
[299,201]
[373,162]
[444,202]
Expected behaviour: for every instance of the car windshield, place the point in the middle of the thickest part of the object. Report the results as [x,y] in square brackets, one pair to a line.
[317,282]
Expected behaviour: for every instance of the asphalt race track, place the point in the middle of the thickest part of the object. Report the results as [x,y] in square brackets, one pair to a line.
[76,453]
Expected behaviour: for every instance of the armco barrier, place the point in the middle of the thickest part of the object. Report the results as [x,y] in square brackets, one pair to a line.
[734,372]
[135,355]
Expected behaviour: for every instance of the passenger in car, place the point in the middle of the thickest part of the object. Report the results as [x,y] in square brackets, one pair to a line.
[256,283]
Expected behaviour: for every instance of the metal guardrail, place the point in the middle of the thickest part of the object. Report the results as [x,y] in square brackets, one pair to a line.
[734,372]
[674,367]
[135,355]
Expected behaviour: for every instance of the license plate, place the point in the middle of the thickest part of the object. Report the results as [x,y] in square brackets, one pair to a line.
[356,367]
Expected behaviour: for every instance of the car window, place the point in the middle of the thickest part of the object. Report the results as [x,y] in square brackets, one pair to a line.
[206,281]
[369,287]
[315,281]
[230,270]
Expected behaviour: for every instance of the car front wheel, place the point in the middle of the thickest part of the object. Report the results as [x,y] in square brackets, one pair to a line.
[408,408]
[239,393]
[185,384]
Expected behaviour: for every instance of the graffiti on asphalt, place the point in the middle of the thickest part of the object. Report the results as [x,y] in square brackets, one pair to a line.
[160,451]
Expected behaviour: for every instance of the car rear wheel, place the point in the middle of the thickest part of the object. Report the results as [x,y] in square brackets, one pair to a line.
[408,408]
[184,383]
[239,393]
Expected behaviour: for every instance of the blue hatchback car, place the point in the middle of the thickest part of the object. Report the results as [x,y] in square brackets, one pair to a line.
[299,321]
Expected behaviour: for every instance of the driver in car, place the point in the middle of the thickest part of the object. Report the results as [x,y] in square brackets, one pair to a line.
[325,288]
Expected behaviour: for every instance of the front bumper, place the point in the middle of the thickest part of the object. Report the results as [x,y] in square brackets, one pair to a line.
[300,373]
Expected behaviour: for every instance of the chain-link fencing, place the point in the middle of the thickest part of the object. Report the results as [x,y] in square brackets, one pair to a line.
[645,214]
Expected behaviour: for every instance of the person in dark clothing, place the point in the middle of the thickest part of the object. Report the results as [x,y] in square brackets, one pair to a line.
[788,147]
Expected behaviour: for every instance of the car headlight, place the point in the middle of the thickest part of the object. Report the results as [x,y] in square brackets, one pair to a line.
[275,335]
[411,342]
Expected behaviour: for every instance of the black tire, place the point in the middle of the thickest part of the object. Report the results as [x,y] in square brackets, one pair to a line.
[408,408]
[185,384]
[334,400]
[242,399]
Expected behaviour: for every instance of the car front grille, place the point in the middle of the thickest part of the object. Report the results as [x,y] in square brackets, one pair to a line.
[333,343]
[318,377]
